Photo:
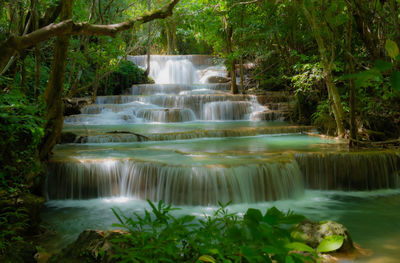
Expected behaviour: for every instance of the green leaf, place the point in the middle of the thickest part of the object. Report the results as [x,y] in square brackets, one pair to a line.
[299,246]
[383,66]
[289,259]
[395,80]
[249,253]
[253,215]
[392,48]
[207,258]
[330,243]
[273,216]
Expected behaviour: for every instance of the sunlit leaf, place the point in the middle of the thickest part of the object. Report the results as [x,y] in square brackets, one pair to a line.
[392,48]
[207,258]
[330,243]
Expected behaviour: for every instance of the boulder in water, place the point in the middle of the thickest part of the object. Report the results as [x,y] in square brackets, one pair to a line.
[312,233]
[217,79]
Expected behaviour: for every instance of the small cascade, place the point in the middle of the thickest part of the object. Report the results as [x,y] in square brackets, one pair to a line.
[167,115]
[350,171]
[151,89]
[179,185]
[226,110]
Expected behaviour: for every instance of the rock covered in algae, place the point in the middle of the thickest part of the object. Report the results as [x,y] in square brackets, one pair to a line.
[312,233]
[91,246]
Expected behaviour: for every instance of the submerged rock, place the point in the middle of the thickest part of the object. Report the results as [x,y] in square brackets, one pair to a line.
[91,246]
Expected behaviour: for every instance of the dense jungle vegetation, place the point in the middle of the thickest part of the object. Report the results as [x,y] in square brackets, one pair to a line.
[339,58]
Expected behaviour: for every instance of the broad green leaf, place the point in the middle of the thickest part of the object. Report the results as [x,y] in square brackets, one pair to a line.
[253,215]
[300,247]
[273,216]
[395,80]
[392,48]
[207,258]
[330,243]
[289,259]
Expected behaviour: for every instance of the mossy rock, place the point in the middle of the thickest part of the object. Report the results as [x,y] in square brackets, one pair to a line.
[312,233]
[91,246]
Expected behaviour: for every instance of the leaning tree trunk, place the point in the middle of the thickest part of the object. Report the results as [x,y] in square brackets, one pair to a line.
[351,70]
[327,65]
[55,87]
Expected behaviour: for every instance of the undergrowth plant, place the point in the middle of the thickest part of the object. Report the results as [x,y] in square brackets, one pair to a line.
[158,236]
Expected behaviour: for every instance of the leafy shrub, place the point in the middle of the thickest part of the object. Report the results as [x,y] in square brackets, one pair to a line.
[123,78]
[223,237]
[21,130]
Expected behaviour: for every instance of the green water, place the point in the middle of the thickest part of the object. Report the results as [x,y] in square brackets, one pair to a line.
[146,128]
[211,151]
[373,218]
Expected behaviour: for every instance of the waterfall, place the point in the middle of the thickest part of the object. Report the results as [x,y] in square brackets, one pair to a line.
[179,185]
[174,69]
[179,107]
[350,171]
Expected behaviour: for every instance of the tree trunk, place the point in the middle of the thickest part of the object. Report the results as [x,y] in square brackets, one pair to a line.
[242,75]
[54,89]
[36,90]
[232,62]
[351,70]
[148,40]
[327,65]
[241,57]
[365,25]
[171,37]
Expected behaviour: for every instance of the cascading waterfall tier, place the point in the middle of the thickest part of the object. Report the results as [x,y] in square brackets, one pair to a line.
[179,185]
[350,171]
[178,157]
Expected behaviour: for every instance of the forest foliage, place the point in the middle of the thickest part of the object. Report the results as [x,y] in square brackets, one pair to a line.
[338,58]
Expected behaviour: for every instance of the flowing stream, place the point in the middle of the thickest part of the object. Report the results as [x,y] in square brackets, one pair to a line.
[193,144]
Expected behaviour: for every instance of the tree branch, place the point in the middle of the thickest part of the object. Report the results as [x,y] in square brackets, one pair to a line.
[68,27]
